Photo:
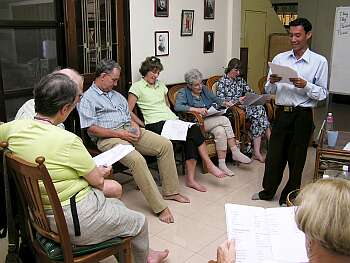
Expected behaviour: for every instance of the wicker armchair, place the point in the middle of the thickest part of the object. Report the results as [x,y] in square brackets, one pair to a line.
[270,105]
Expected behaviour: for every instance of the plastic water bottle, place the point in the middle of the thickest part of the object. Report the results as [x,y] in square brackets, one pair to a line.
[329,122]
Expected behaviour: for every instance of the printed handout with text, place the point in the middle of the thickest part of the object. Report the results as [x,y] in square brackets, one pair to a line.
[113,155]
[255,99]
[284,72]
[176,130]
[265,234]
[214,112]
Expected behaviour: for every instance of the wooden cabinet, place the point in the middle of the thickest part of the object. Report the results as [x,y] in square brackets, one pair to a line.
[96,30]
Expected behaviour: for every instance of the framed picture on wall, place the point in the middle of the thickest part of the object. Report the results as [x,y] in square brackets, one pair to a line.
[209,9]
[208,42]
[161,8]
[161,43]
[187,17]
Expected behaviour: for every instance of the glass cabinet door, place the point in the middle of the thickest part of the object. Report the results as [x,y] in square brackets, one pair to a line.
[31,40]
[96,32]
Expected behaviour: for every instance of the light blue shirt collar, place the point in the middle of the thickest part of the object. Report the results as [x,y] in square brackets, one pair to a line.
[305,56]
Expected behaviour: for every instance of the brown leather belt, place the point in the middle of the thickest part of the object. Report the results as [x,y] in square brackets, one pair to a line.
[292,109]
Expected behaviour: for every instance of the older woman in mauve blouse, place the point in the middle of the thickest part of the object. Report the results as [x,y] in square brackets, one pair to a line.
[233,88]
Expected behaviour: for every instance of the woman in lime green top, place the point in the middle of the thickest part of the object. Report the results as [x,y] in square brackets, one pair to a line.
[99,212]
[151,97]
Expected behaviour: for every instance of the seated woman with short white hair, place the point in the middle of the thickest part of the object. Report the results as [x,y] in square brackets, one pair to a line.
[196,97]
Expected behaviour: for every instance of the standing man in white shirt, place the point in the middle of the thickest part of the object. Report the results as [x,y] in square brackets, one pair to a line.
[293,125]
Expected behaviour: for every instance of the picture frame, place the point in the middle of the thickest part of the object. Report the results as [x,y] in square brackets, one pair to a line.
[161,8]
[161,43]
[208,42]
[187,18]
[209,9]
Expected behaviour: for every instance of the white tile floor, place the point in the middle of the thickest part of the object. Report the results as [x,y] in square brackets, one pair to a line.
[200,225]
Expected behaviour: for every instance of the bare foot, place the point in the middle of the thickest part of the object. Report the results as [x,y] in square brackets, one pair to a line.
[216,171]
[259,157]
[195,185]
[177,197]
[166,216]
[157,256]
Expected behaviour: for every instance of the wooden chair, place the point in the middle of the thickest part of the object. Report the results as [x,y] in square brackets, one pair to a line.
[270,105]
[188,116]
[292,196]
[49,245]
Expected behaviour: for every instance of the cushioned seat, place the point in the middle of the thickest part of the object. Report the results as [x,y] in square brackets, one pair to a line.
[54,251]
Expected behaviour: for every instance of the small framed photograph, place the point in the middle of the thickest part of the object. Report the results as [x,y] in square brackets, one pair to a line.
[209,9]
[208,43]
[161,8]
[187,17]
[161,42]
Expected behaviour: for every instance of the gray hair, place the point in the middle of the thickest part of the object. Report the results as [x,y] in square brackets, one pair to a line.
[106,66]
[53,92]
[193,75]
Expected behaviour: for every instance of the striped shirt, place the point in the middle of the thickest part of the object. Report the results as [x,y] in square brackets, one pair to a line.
[104,109]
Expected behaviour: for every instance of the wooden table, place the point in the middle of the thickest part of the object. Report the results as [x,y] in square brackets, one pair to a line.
[331,158]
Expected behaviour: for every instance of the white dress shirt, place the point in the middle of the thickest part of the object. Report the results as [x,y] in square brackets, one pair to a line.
[27,112]
[311,67]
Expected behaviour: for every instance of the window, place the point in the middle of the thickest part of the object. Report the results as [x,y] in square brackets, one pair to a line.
[31,36]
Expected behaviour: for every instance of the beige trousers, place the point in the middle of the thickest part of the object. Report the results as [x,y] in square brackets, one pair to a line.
[102,218]
[150,144]
[221,128]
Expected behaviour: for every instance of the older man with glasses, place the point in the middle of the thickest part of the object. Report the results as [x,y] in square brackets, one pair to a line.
[105,113]
[27,110]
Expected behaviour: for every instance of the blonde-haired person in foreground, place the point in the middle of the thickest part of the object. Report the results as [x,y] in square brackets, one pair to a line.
[324,216]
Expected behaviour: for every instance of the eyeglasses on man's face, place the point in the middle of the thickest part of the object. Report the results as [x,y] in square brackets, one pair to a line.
[115,79]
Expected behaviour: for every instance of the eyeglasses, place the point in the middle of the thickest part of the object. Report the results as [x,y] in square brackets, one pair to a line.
[113,79]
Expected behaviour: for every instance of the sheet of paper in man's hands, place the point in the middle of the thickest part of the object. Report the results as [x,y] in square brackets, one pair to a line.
[284,72]
[113,155]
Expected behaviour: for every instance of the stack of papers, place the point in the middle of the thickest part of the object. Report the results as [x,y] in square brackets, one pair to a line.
[113,155]
[284,72]
[265,235]
[176,130]
[255,99]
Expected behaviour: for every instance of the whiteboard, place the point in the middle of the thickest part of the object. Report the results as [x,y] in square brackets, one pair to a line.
[340,61]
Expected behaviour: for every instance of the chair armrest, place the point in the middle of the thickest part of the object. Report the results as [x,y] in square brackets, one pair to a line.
[239,114]
[270,107]
[199,119]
